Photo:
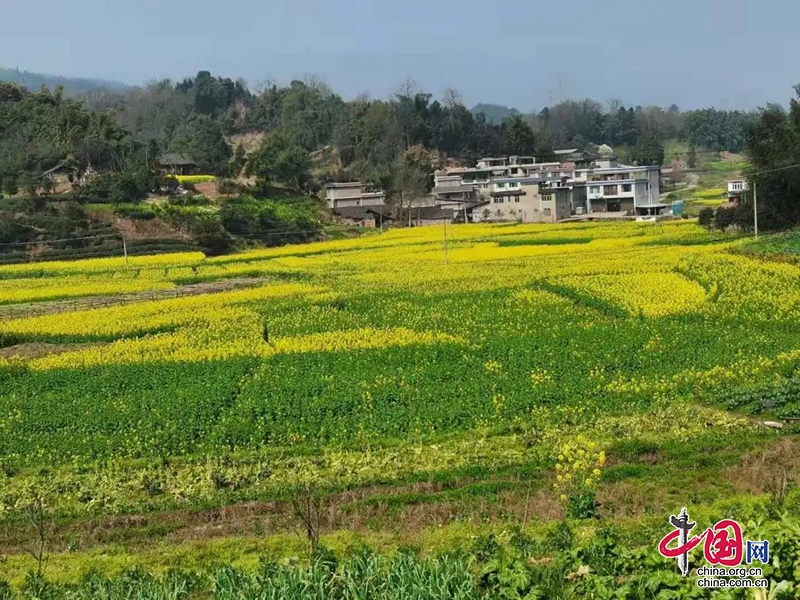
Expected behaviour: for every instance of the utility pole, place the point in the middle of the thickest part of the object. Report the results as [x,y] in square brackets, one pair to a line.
[444,222]
[755,208]
[125,251]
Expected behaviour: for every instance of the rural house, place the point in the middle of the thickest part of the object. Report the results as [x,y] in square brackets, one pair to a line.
[736,189]
[349,195]
[176,164]
[608,186]
[365,216]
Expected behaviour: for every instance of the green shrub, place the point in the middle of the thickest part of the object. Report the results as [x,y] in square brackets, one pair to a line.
[705,217]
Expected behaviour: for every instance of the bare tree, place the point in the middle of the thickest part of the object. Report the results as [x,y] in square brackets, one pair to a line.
[37,513]
[407,89]
[451,98]
[317,82]
[308,507]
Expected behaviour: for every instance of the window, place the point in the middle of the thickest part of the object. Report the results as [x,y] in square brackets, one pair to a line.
[626,187]
[516,198]
[546,212]
[501,185]
[595,189]
[498,201]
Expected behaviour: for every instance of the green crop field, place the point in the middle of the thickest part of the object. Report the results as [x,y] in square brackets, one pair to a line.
[514,415]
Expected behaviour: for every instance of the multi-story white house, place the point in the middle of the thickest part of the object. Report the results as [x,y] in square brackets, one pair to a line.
[513,187]
[350,195]
[736,189]
[608,186]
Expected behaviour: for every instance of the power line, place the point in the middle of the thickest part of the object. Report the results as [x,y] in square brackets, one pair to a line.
[90,237]
[774,170]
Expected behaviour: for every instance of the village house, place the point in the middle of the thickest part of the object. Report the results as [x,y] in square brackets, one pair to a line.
[60,178]
[432,215]
[526,200]
[506,189]
[365,216]
[513,188]
[176,164]
[353,194]
[608,186]
[736,189]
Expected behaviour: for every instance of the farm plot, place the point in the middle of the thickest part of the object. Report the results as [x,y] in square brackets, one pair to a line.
[374,361]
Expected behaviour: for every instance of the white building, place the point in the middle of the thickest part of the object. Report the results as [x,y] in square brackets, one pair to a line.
[610,187]
[604,186]
[736,189]
[350,195]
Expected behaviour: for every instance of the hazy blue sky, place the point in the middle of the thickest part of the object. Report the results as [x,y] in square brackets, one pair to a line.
[525,53]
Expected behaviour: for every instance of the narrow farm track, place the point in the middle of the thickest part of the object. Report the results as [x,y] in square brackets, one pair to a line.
[32,309]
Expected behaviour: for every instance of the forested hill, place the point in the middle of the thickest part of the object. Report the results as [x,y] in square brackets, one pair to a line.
[495,113]
[72,85]
[228,129]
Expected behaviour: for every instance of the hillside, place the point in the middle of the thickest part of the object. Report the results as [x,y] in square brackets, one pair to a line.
[73,86]
[495,113]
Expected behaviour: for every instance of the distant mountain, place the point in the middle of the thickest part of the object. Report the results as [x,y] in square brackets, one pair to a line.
[495,113]
[72,85]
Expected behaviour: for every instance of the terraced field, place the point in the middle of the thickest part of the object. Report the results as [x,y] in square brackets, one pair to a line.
[428,397]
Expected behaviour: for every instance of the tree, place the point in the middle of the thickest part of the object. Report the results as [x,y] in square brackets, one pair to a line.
[202,139]
[706,216]
[716,130]
[38,514]
[573,123]
[724,217]
[517,137]
[308,507]
[280,158]
[691,156]
[239,160]
[412,175]
[650,149]
[10,186]
[619,126]
[211,235]
[27,183]
[11,92]
[772,142]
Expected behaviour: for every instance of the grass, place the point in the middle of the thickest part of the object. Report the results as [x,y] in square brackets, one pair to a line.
[786,245]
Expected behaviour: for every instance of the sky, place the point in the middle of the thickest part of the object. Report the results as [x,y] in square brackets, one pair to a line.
[521,53]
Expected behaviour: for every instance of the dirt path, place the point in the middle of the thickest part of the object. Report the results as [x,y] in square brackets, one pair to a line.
[29,309]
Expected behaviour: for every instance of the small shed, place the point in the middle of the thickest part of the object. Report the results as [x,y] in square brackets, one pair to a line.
[431,215]
[177,164]
[364,216]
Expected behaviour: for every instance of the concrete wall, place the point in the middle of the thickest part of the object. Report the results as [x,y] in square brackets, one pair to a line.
[347,203]
[344,192]
[655,185]
[579,198]
[626,206]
